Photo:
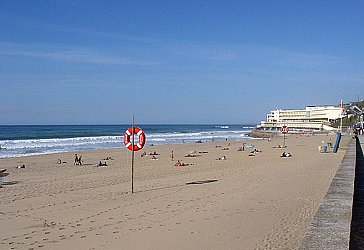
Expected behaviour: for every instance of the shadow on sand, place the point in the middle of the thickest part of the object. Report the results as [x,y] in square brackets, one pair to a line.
[176,186]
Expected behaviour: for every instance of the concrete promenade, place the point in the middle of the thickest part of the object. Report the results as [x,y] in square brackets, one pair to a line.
[339,221]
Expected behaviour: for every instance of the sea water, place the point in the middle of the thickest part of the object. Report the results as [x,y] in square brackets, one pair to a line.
[25,140]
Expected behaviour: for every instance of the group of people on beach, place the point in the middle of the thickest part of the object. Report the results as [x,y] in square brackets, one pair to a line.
[78,159]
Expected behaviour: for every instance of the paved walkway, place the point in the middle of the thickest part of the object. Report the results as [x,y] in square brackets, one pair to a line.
[330,228]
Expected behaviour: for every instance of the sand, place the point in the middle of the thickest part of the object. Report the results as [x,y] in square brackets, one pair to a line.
[244,202]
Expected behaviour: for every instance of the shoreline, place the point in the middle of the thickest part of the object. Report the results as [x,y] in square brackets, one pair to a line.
[70,138]
[123,146]
[243,201]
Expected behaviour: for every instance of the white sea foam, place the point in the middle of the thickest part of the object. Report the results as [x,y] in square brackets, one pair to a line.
[16,148]
[224,127]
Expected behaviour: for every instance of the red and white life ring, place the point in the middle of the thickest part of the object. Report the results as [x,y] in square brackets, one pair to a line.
[141,138]
[284,129]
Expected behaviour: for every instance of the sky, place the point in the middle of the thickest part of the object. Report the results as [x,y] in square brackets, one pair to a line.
[176,62]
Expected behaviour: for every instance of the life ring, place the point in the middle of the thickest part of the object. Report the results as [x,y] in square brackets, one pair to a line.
[284,129]
[141,138]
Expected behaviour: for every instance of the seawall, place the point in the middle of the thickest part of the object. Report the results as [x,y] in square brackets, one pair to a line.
[338,223]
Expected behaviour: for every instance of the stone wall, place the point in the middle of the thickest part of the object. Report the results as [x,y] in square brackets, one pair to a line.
[331,226]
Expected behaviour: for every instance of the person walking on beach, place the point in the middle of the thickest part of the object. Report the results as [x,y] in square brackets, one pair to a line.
[172,156]
[80,160]
[76,160]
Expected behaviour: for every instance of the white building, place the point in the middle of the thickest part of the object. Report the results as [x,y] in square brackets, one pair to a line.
[311,118]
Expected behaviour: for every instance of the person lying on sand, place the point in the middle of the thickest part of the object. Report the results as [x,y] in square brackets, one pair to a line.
[108,158]
[153,153]
[284,154]
[179,164]
[190,155]
[225,149]
[278,146]
[154,158]
[221,158]
[102,164]
[256,151]
[143,154]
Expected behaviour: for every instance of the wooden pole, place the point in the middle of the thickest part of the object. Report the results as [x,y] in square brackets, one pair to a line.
[284,140]
[132,157]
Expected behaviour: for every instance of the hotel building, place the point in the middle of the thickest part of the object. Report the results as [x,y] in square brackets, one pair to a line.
[313,118]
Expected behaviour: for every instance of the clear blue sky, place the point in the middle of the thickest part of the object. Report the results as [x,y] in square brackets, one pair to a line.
[99,62]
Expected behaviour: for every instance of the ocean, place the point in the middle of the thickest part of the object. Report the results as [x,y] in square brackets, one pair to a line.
[25,140]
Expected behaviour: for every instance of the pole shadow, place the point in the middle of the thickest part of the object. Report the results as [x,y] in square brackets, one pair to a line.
[200,182]
[178,186]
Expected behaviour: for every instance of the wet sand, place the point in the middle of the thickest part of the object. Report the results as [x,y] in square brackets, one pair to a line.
[244,202]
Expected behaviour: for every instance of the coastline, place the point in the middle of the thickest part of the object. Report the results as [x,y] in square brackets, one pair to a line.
[17,141]
[261,201]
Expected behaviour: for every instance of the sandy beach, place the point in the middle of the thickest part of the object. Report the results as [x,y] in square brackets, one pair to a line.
[261,201]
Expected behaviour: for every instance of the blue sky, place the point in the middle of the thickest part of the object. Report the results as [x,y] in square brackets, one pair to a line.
[223,62]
